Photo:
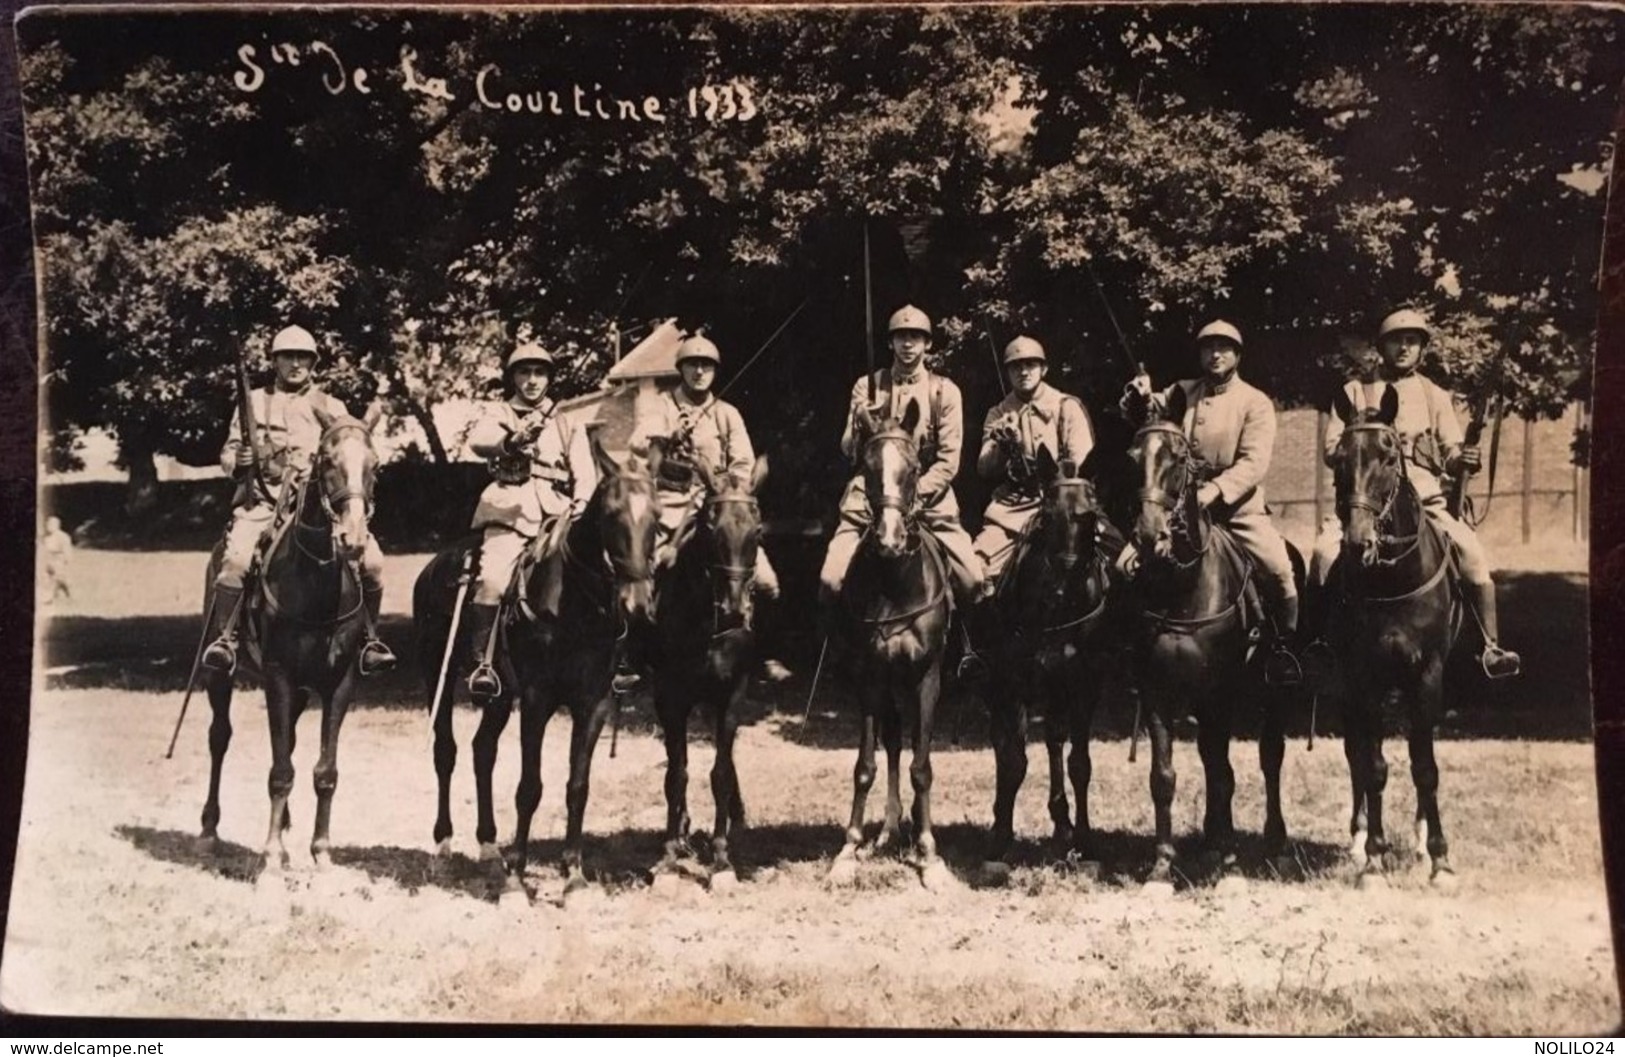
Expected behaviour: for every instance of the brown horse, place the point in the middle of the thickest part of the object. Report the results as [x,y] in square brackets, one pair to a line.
[1051,601]
[607,593]
[706,650]
[306,622]
[1392,619]
[897,605]
[1193,596]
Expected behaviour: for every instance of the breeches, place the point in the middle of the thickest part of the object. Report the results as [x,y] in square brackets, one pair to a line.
[1471,557]
[249,524]
[964,567]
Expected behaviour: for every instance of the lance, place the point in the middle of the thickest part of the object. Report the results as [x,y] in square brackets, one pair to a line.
[868,314]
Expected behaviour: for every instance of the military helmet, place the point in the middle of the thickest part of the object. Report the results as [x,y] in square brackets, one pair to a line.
[909,318]
[1405,319]
[698,347]
[1220,329]
[1024,348]
[529,352]
[295,339]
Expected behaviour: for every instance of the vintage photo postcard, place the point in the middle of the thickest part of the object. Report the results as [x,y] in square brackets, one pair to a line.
[958,517]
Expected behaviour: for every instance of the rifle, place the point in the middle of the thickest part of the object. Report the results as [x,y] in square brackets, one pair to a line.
[868,314]
[248,429]
[1456,501]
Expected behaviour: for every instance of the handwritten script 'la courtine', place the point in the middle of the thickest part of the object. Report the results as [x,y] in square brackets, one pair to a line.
[710,102]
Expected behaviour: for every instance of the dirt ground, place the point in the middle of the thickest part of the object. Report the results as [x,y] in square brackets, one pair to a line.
[117,911]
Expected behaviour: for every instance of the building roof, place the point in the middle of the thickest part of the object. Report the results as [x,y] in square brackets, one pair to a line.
[653,357]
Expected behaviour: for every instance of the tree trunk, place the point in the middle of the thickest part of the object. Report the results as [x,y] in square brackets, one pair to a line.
[141,495]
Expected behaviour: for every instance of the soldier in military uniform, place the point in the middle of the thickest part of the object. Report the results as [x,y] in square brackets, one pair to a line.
[543,477]
[1033,415]
[1231,427]
[1433,446]
[939,434]
[285,414]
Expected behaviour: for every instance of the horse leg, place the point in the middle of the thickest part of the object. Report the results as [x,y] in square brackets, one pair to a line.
[673,709]
[587,723]
[891,735]
[219,690]
[335,705]
[534,713]
[1354,751]
[725,782]
[1008,730]
[932,872]
[1376,780]
[445,763]
[1271,754]
[493,721]
[1425,773]
[1163,782]
[1213,742]
[1083,700]
[280,706]
[844,869]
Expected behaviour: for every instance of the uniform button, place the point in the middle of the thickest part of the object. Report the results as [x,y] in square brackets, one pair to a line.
[1200,420]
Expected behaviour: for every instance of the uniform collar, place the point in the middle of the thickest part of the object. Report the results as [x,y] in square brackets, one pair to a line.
[1387,374]
[681,398]
[1045,401]
[1210,386]
[546,406]
[304,390]
[899,378]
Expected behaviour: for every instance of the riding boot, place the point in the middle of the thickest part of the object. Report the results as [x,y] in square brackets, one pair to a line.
[1498,663]
[483,681]
[221,653]
[1283,667]
[1318,659]
[375,655]
[975,626]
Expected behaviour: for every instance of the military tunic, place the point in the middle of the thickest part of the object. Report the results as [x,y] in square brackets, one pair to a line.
[540,483]
[1052,420]
[939,435]
[289,436]
[1428,432]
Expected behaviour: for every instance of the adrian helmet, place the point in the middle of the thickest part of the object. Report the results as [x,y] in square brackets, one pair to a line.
[909,318]
[1403,320]
[698,347]
[1024,348]
[529,352]
[294,339]
[1220,329]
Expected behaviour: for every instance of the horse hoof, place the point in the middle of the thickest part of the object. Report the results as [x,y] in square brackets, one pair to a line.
[844,872]
[490,852]
[1158,890]
[995,873]
[1357,853]
[936,877]
[1230,885]
[442,848]
[1371,881]
[513,895]
[581,894]
[207,844]
[667,885]
[1284,866]
[1443,879]
[724,882]
[323,860]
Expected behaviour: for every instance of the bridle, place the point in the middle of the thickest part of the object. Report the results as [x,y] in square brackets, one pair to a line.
[1173,501]
[877,503]
[741,576]
[316,480]
[1382,512]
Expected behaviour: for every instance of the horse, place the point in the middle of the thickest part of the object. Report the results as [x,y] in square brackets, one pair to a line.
[1392,619]
[305,621]
[706,649]
[1196,612]
[897,604]
[607,592]
[1052,601]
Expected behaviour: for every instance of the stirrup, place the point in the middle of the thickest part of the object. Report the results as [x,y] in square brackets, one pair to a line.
[625,680]
[1283,667]
[484,681]
[1318,662]
[971,665]
[1499,663]
[220,656]
[375,657]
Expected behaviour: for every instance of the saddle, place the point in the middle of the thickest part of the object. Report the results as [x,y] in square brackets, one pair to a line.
[867,605]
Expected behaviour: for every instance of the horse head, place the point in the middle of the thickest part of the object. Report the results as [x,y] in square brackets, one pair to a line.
[628,518]
[344,473]
[891,477]
[1167,470]
[1368,467]
[733,535]
[1070,515]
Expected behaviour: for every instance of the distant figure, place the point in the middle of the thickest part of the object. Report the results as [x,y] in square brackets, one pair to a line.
[57,547]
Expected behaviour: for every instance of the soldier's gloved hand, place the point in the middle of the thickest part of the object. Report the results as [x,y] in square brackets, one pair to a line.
[1139,387]
[245,457]
[577,508]
[1207,494]
[1468,459]
[1004,432]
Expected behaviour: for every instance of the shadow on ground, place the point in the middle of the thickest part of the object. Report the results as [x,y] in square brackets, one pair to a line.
[222,858]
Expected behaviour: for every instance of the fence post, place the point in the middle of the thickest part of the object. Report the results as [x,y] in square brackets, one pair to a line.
[1320,470]
[1528,473]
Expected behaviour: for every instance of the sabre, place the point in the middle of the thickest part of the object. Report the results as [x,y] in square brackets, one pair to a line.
[812,691]
[191,678]
[463,580]
[1134,738]
[868,315]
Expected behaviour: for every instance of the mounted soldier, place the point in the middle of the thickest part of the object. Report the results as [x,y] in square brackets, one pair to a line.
[1032,416]
[939,435]
[285,414]
[543,477]
[1434,446]
[1231,427]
